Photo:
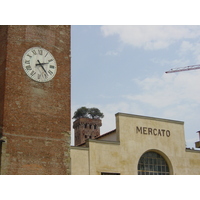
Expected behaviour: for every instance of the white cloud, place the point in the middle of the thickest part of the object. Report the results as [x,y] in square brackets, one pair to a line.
[112,53]
[186,46]
[189,47]
[151,37]
[172,89]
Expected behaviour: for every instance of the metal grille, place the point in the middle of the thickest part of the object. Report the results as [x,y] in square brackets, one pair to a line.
[152,163]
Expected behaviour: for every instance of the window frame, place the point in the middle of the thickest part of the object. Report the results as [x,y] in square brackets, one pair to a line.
[153,163]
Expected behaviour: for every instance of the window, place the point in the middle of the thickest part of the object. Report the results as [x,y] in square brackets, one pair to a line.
[109,173]
[152,163]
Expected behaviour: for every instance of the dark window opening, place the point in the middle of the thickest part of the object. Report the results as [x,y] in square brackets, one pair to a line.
[109,173]
[152,163]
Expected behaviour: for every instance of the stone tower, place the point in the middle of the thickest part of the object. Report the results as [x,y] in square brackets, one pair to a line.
[86,128]
[35,99]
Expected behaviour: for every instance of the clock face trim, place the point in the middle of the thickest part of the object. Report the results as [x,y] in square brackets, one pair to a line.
[39,64]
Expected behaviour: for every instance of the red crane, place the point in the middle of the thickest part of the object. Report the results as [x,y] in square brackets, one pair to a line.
[191,67]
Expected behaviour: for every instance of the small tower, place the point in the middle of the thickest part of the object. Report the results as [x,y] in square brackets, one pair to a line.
[86,128]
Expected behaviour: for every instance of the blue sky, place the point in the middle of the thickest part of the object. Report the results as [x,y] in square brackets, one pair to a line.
[122,69]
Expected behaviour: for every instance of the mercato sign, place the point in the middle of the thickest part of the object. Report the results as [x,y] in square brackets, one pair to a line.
[153,131]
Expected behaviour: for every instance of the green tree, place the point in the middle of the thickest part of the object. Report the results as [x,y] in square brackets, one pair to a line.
[95,113]
[81,113]
[84,112]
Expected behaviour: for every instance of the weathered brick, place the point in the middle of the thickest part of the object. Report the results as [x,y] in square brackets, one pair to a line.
[86,128]
[33,115]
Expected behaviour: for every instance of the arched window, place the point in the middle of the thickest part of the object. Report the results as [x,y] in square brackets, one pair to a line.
[152,163]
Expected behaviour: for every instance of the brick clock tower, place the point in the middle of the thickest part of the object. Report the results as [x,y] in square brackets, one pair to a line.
[35,100]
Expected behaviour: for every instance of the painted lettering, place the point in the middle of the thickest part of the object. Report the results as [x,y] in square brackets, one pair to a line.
[167,133]
[159,132]
[139,129]
[163,132]
[153,131]
[145,130]
[149,131]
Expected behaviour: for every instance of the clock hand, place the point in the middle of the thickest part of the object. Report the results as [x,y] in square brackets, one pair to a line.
[42,66]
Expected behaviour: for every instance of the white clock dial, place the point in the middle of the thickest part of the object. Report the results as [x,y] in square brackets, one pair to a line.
[39,64]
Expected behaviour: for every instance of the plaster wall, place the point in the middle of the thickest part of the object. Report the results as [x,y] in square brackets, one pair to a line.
[137,135]
[79,161]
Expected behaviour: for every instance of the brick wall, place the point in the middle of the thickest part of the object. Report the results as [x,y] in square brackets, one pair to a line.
[3,45]
[36,121]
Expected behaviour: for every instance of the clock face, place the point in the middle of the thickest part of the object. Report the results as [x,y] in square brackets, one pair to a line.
[39,64]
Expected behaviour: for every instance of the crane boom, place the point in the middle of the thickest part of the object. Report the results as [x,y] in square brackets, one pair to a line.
[191,67]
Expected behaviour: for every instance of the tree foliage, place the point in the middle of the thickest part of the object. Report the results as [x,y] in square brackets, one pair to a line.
[83,112]
[95,113]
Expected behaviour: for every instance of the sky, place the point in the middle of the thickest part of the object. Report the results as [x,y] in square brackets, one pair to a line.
[122,69]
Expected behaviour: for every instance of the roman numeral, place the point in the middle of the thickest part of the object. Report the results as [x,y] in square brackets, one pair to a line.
[45,75]
[27,61]
[52,67]
[50,72]
[28,67]
[50,60]
[34,52]
[40,51]
[29,56]
[32,73]
[39,76]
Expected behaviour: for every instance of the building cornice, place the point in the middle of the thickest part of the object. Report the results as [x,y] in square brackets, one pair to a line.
[149,118]
[104,142]
[192,150]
